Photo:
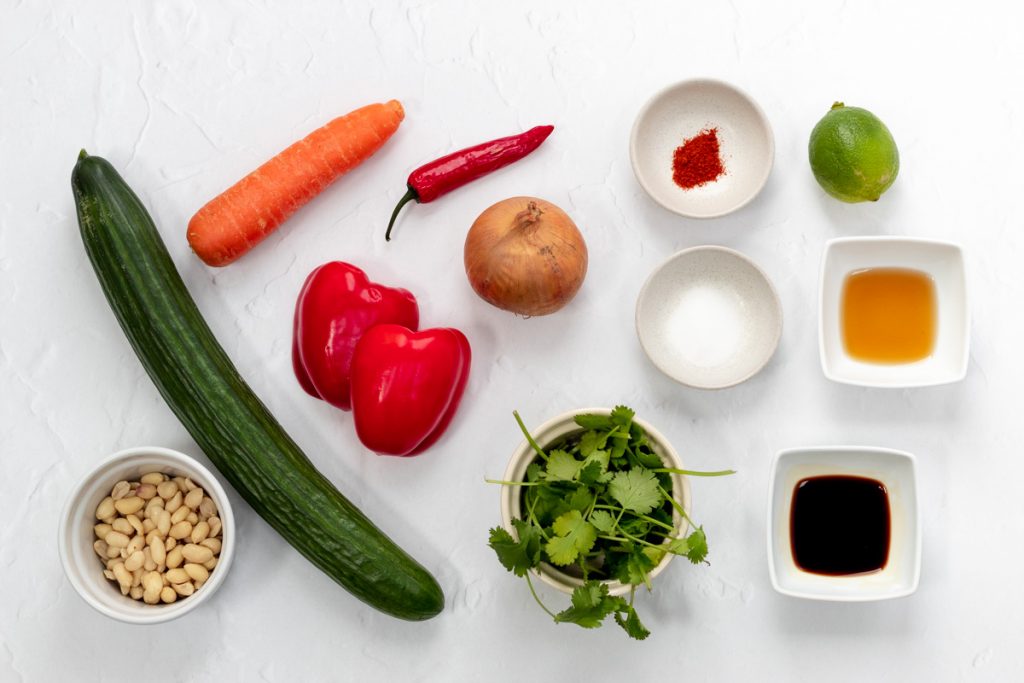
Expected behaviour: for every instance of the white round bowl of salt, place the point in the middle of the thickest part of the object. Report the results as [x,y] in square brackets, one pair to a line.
[708,317]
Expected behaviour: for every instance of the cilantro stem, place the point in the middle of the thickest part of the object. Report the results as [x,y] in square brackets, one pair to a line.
[643,517]
[629,538]
[513,483]
[537,598]
[694,473]
[533,519]
[529,438]
[679,508]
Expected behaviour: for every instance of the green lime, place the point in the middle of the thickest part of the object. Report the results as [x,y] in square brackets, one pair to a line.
[853,155]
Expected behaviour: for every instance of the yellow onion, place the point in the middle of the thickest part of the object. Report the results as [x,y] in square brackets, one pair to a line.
[525,255]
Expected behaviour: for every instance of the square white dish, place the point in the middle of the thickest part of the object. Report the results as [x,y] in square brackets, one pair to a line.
[944,263]
[896,470]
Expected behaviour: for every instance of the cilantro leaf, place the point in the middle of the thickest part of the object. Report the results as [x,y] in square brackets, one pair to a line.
[678,546]
[636,490]
[622,416]
[594,468]
[592,441]
[631,624]
[562,466]
[517,556]
[698,543]
[590,605]
[634,570]
[648,458]
[533,471]
[591,421]
[602,520]
[580,499]
[573,535]
[590,473]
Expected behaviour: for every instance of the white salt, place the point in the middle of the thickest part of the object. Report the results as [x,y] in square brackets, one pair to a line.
[706,325]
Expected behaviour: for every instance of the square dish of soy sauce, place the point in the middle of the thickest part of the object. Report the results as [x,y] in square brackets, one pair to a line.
[843,524]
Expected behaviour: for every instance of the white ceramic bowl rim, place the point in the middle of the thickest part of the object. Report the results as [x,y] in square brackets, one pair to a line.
[73,558]
[524,454]
[776,337]
[655,98]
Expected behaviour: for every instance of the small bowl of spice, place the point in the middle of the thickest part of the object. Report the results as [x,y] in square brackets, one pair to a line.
[702,148]
[147,536]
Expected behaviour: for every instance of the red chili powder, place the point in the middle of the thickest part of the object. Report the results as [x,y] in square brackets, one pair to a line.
[697,160]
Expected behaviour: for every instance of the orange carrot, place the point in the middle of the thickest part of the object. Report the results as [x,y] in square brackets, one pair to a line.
[242,216]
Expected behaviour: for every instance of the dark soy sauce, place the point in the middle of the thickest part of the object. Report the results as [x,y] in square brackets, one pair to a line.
[839,525]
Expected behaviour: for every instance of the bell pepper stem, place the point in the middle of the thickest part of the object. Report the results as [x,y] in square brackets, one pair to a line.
[408,197]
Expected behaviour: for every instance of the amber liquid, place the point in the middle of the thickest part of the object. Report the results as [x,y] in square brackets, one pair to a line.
[889,315]
[839,525]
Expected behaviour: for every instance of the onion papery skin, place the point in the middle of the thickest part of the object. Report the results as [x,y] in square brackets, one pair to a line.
[525,255]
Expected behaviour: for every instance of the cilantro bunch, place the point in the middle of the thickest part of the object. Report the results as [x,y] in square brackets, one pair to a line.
[598,505]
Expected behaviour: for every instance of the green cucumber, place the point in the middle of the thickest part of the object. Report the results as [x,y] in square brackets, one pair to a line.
[220,411]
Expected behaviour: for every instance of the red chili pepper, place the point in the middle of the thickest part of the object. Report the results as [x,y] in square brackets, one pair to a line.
[336,306]
[406,386]
[437,178]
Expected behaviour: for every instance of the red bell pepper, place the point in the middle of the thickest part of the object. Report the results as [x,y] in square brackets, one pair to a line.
[406,386]
[336,306]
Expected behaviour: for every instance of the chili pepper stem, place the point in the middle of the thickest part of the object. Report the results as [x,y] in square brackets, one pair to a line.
[406,198]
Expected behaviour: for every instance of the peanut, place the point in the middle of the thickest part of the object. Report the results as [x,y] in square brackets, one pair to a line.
[179,515]
[184,589]
[194,498]
[154,478]
[120,490]
[196,572]
[163,522]
[167,489]
[197,553]
[158,537]
[174,558]
[199,532]
[146,492]
[157,551]
[207,508]
[213,544]
[106,508]
[135,560]
[115,539]
[178,575]
[135,544]
[174,503]
[123,526]
[180,530]
[129,506]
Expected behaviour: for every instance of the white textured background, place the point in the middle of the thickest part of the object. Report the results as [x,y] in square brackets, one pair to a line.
[185,97]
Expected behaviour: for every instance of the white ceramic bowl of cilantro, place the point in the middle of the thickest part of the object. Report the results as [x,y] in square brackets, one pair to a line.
[556,429]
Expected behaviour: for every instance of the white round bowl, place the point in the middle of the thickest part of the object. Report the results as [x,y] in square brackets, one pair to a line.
[555,429]
[708,317]
[681,111]
[75,537]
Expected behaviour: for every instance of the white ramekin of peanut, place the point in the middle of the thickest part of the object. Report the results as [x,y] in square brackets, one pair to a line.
[147,535]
